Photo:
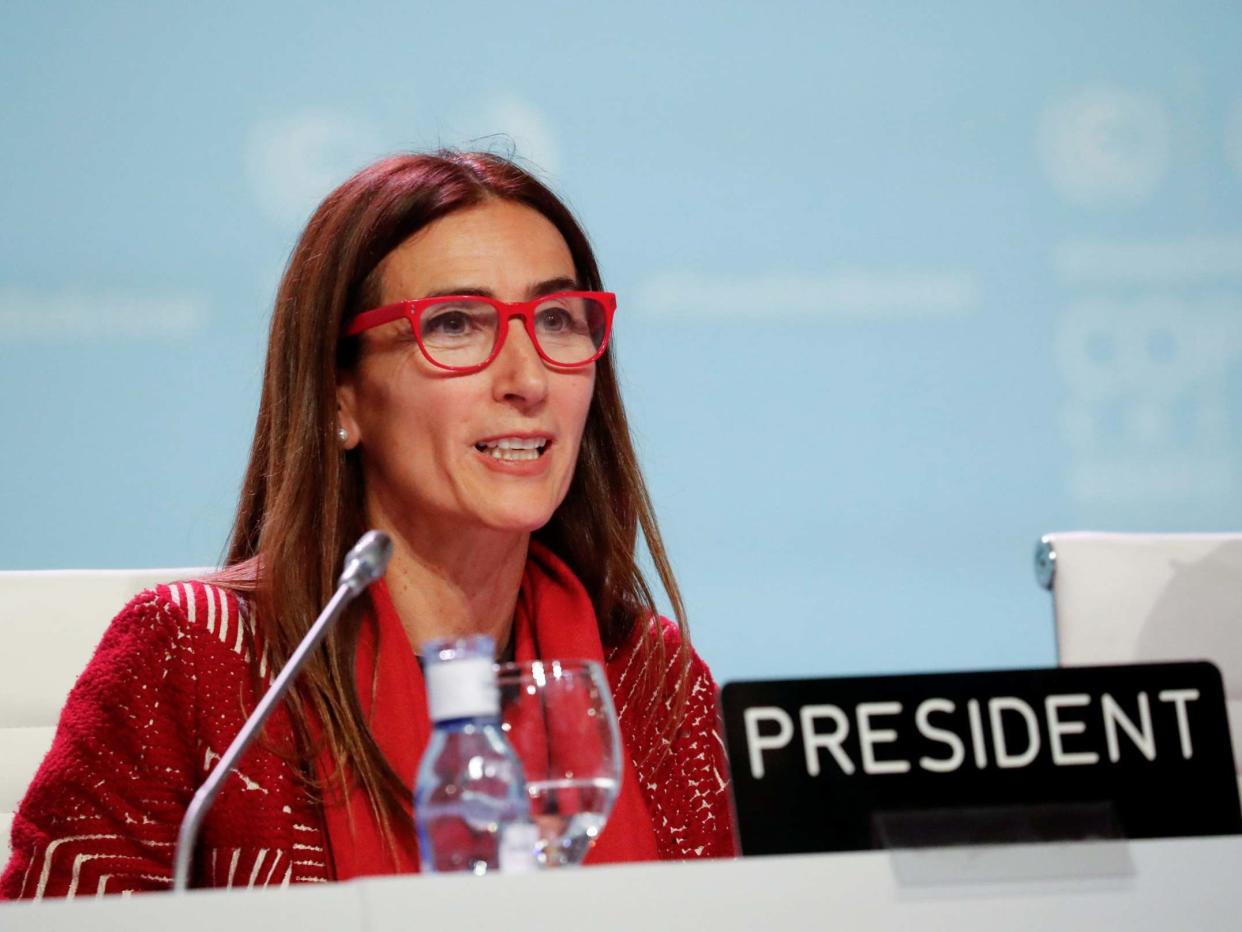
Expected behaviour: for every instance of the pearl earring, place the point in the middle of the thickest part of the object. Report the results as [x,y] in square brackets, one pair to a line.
[342,434]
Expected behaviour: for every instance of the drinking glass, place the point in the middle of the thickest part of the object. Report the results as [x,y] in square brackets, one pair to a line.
[558,716]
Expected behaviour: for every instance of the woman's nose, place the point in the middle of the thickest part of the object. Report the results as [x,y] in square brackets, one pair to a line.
[518,372]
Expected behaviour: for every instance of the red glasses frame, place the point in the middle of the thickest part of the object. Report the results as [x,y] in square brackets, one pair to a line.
[506,311]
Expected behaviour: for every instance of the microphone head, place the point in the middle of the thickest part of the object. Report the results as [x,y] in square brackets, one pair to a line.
[366,560]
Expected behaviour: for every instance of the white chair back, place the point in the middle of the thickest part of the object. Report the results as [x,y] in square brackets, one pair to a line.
[1122,598]
[51,621]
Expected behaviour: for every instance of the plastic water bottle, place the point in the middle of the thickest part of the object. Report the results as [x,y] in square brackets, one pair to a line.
[470,803]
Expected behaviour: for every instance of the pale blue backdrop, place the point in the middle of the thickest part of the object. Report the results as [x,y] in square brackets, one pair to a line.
[902,285]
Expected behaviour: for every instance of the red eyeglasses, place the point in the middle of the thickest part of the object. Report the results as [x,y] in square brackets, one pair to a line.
[464,333]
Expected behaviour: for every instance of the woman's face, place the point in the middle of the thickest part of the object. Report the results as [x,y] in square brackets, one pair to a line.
[428,437]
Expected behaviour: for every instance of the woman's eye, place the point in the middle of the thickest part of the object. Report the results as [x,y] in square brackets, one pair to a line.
[448,323]
[554,320]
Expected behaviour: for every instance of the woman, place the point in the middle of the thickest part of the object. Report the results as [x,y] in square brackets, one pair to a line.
[486,435]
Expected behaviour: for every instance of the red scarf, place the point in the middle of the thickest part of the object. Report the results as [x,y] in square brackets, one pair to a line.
[554,620]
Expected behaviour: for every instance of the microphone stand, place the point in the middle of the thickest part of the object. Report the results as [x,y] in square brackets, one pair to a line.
[364,564]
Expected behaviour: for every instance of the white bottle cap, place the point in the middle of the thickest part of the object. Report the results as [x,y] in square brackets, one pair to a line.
[519,843]
[462,688]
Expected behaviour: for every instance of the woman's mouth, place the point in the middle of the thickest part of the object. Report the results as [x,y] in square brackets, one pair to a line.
[513,449]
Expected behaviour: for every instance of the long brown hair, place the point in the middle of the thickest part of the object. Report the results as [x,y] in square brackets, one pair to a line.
[301,503]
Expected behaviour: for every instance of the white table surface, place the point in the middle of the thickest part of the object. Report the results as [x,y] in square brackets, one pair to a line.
[1155,884]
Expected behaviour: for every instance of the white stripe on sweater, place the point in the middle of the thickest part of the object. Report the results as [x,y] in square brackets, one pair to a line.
[82,859]
[210,593]
[51,850]
[224,615]
[267,881]
[103,881]
[238,648]
[258,863]
[29,864]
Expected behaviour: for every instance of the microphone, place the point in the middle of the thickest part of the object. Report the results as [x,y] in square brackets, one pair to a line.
[364,564]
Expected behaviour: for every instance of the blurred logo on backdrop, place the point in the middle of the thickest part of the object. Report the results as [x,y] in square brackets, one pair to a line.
[292,162]
[900,294]
[84,316]
[1148,346]
[1105,146]
[295,160]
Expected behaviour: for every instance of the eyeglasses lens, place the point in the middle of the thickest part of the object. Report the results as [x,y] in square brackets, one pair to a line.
[569,330]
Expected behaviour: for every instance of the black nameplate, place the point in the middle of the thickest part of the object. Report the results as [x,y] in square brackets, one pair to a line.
[1116,751]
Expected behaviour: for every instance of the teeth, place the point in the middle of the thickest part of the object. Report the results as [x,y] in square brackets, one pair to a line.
[513,448]
[512,455]
[514,443]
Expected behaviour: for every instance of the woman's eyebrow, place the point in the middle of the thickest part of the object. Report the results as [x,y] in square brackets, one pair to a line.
[553,285]
[548,286]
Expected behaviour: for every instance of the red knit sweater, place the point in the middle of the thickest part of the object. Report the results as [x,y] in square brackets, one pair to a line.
[168,688]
